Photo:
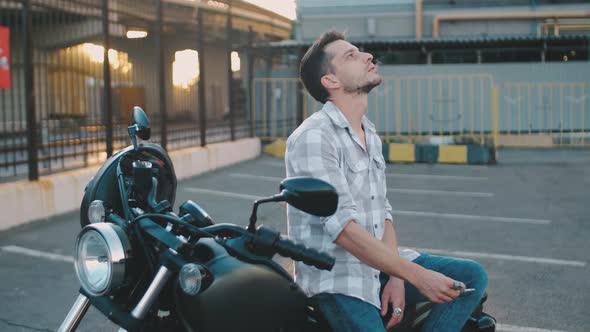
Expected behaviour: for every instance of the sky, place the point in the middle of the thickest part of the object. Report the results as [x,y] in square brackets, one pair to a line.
[283,7]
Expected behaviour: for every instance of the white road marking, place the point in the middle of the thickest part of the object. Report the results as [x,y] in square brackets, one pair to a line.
[273,163]
[393,190]
[257,177]
[405,175]
[222,193]
[395,212]
[515,328]
[527,259]
[37,253]
[472,217]
[439,192]
[436,177]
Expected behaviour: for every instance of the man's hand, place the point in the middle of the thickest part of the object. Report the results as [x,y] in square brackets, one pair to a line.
[394,293]
[436,287]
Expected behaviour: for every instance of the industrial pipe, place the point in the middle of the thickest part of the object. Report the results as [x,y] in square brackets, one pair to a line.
[471,16]
[419,19]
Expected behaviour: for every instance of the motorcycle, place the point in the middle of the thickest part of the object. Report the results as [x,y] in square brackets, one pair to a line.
[147,268]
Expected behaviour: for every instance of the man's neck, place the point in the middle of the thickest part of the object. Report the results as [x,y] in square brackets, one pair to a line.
[354,108]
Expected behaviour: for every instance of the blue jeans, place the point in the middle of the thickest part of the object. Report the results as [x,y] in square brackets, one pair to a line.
[345,313]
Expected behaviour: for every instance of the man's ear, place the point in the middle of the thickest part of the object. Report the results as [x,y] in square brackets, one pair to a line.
[330,82]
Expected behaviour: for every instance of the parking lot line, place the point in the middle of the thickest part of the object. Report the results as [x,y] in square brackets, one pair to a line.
[273,163]
[527,259]
[257,177]
[437,177]
[455,216]
[37,253]
[405,175]
[515,328]
[222,193]
[392,190]
[440,192]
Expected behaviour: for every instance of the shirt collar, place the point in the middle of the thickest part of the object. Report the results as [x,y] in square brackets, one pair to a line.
[338,118]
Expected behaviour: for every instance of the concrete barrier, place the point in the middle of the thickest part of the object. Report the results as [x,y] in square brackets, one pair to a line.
[418,153]
[26,201]
[444,154]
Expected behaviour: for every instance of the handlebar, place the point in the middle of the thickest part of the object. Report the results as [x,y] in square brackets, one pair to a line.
[309,256]
[263,240]
[268,241]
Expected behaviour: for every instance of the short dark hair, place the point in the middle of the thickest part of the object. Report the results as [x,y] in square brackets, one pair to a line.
[316,63]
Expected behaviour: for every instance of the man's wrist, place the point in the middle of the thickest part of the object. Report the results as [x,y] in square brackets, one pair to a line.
[413,272]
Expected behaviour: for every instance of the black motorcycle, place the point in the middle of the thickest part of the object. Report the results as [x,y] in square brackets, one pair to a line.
[149,269]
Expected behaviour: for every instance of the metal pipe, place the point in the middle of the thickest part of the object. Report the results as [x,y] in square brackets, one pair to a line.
[32,137]
[470,16]
[419,17]
[202,104]
[160,68]
[75,314]
[152,293]
[300,93]
[251,78]
[230,75]
[106,67]
[556,25]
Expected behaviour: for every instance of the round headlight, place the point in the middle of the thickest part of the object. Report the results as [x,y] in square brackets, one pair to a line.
[191,278]
[96,212]
[102,252]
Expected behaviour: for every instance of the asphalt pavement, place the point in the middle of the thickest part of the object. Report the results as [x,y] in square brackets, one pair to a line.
[524,219]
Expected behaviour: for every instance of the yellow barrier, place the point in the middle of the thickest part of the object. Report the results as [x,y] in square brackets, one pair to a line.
[452,154]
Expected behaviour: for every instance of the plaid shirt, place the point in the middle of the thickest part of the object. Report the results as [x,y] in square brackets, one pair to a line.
[325,147]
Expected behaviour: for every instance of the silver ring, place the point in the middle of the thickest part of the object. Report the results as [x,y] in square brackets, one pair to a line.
[397,311]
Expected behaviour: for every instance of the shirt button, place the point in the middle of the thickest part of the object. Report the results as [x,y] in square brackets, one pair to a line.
[376,276]
[376,226]
[372,197]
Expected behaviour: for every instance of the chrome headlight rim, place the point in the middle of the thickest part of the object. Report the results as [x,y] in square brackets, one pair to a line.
[118,248]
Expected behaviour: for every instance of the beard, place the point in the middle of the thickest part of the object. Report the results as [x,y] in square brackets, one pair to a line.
[362,88]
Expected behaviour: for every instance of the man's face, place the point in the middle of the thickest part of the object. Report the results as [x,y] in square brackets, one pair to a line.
[354,69]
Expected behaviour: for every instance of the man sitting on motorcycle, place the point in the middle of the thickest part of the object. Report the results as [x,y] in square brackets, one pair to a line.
[372,280]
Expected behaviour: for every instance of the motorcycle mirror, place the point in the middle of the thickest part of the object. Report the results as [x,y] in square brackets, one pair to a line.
[310,195]
[142,123]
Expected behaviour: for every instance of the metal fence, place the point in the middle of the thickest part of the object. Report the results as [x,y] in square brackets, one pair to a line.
[76,73]
[410,108]
[445,109]
[556,112]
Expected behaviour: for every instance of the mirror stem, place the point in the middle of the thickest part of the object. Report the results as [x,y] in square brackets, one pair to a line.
[132,130]
[253,216]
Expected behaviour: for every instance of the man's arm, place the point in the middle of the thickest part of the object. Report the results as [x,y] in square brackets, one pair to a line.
[389,235]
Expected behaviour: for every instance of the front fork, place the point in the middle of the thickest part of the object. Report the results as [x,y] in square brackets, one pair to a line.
[75,315]
[82,303]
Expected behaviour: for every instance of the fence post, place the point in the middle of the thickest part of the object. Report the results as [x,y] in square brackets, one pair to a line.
[230,76]
[495,117]
[300,94]
[33,146]
[161,76]
[251,78]
[202,104]
[107,105]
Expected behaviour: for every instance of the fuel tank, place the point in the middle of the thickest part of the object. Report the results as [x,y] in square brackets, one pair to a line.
[242,297]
